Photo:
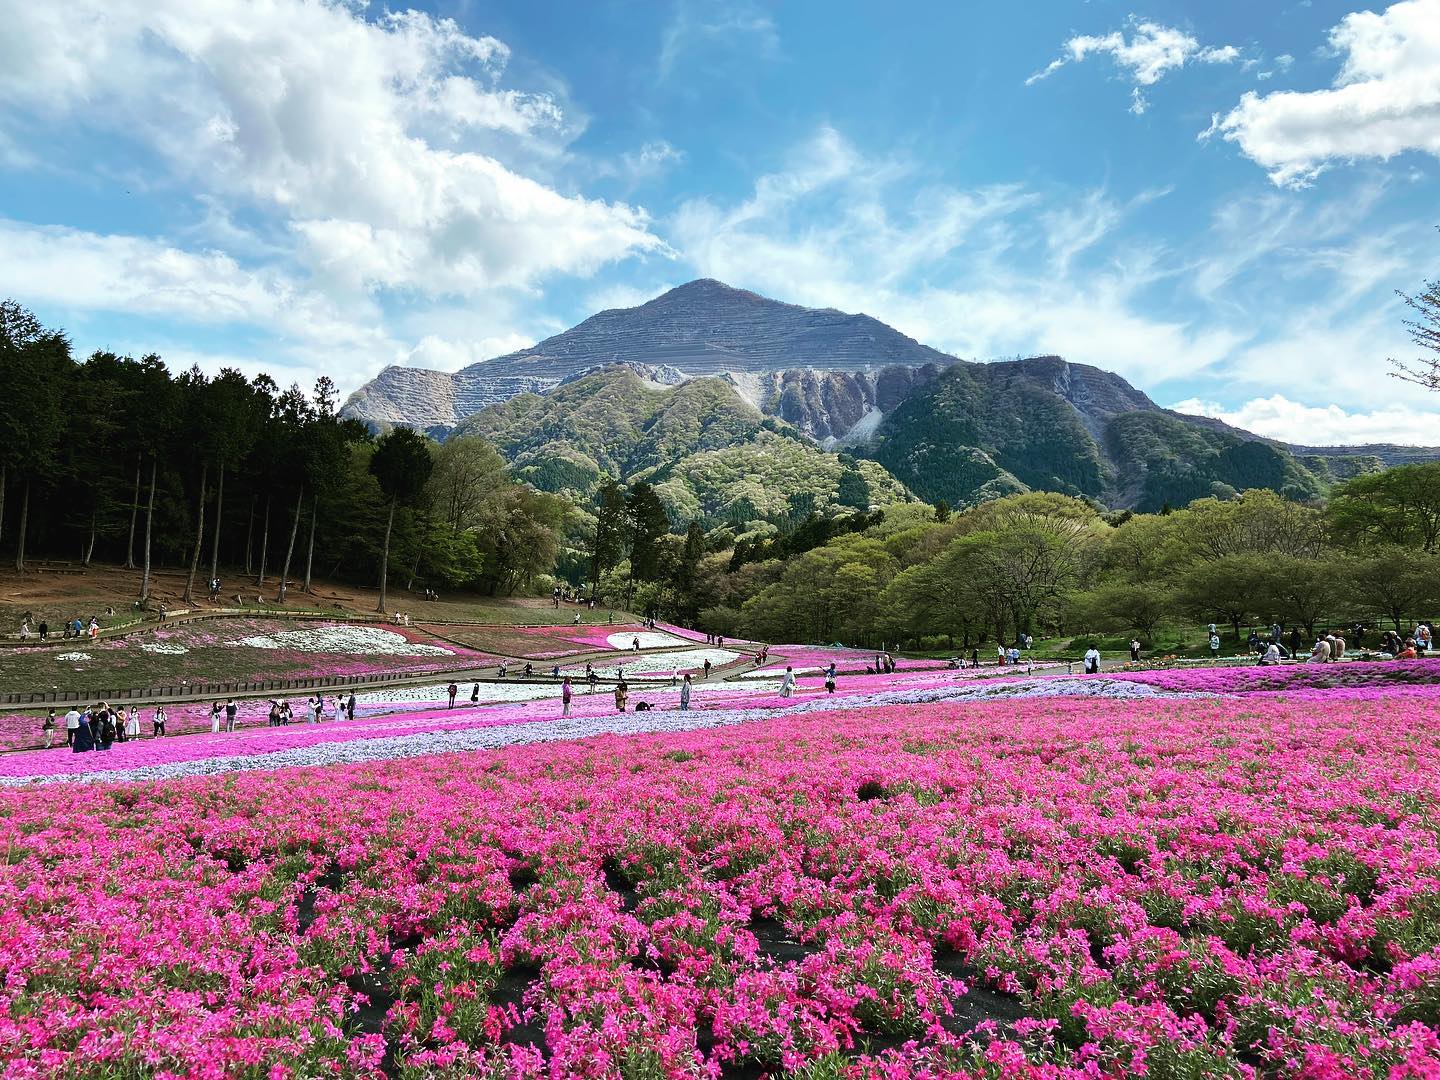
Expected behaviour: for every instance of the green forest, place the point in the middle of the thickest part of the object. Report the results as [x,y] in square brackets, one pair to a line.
[118,459]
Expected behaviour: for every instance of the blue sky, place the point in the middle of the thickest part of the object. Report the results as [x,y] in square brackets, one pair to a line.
[1217,204]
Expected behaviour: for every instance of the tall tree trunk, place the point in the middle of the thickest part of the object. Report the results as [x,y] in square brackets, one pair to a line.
[199,538]
[250,539]
[134,513]
[3,470]
[219,510]
[90,543]
[385,556]
[310,554]
[264,543]
[149,518]
[290,550]
[24,523]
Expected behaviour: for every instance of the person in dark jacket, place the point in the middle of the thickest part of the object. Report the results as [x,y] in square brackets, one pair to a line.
[84,737]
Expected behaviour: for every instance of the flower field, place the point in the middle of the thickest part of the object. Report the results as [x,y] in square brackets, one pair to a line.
[551,642]
[1244,883]
[231,650]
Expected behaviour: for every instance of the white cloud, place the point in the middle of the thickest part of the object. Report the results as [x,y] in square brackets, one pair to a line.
[623,296]
[379,142]
[1145,56]
[1384,101]
[1323,425]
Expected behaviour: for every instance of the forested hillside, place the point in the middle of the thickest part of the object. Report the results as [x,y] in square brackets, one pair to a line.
[709,454]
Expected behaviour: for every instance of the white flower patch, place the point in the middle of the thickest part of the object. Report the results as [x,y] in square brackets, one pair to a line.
[163,648]
[74,657]
[648,640]
[655,664]
[489,692]
[367,640]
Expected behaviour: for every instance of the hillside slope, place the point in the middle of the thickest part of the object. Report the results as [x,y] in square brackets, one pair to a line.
[710,454]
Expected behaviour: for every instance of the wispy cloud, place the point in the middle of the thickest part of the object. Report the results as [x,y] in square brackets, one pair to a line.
[700,24]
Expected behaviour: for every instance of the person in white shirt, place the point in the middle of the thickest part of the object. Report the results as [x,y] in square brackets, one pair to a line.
[1272,654]
[1092,661]
[787,682]
[72,725]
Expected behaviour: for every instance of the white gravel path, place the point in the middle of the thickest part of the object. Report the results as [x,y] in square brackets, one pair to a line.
[560,730]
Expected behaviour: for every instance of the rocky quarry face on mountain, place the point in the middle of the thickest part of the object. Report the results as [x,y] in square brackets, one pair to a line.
[792,403]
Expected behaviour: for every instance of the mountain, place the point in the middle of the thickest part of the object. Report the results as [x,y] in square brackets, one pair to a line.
[717,392]
[701,328]
[708,452]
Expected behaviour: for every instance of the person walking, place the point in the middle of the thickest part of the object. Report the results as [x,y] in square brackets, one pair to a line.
[157,723]
[566,693]
[48,729]
[72,724]
[44,629]
[975,658]
[1092,661]
[452,689]
[685,693]
[1214,643]
[830,678]
[787,682]
[707,667]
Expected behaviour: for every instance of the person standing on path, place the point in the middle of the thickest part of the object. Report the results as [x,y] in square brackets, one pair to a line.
[231,709]
[475,694]
[49,729]
[1092,661]
[1135,650]
[707,667]
[1214,643]
[72,724]
[84,739]
[452,690]
[566,693]
[685,694]
[787,682]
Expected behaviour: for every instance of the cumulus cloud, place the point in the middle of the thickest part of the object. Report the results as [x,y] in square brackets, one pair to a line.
[1144,56]
[1322,425]
[378,141]
[1384,101]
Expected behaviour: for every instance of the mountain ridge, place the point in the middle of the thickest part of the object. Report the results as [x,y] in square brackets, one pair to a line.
[948,428]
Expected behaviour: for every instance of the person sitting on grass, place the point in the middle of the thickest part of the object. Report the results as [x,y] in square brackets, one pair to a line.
[1271,654]
[1408,652]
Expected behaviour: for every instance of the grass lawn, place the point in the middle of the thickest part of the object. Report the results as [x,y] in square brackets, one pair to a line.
[206,651]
